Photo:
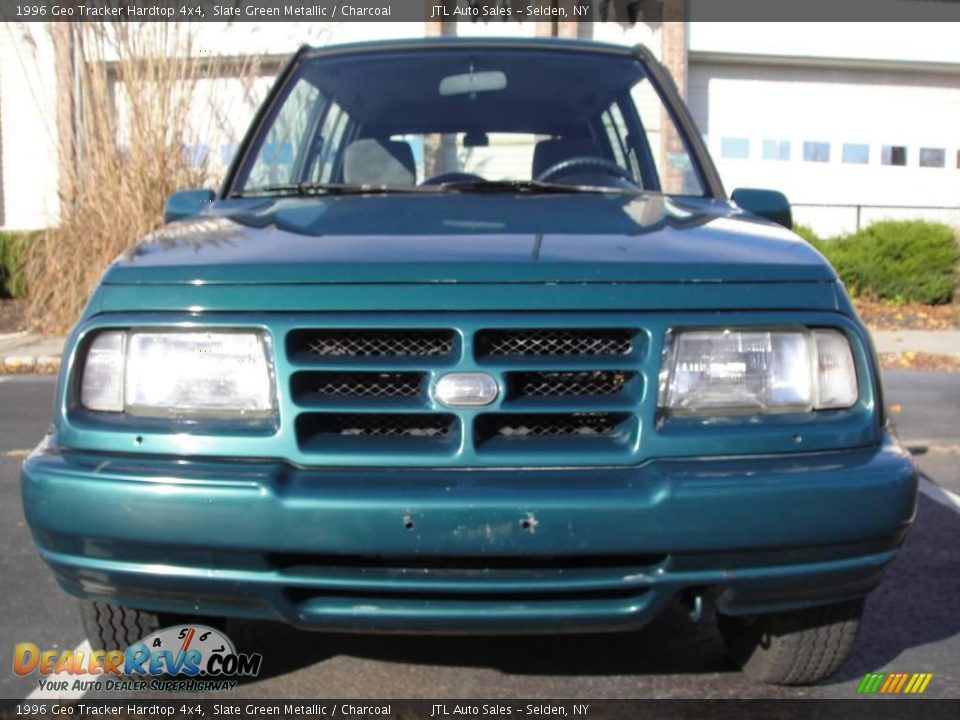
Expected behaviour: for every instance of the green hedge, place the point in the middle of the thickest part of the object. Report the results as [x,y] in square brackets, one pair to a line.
[12,257]
[896,260]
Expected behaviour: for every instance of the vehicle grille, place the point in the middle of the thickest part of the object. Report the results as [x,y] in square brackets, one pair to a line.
[380,425]
[567,384]
[525,579]
[548,425]
[364,394]
[555,342]
[362,384]
[373,343]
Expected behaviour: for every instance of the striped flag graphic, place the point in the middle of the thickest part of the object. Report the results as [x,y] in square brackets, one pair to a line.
[894,683]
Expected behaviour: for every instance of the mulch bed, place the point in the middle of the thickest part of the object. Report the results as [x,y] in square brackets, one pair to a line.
[879,315]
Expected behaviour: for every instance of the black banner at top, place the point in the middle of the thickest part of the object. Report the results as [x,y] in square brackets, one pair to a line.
[472,11]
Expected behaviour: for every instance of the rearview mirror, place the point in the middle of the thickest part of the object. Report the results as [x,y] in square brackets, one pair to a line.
[186,204]
[476,139]
[473,82]
[768,204]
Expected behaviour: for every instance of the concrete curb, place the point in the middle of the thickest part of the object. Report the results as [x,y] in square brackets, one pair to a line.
[20,364]
[932,342]
[21,352]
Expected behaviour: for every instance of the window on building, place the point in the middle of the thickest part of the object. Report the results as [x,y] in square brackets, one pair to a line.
[856,154]
[737,148]
[816,151]
[893,155]
[933,157]
[776,149]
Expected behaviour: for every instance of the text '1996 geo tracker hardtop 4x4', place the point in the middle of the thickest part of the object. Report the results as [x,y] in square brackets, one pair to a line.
[472,340]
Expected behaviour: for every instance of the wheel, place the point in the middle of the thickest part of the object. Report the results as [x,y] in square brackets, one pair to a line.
[793,648]
[112,627]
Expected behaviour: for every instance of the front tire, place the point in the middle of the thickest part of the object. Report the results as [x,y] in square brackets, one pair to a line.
[798,647]
[113,627]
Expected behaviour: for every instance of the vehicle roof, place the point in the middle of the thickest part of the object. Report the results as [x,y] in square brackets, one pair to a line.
[565,101]
[477,42]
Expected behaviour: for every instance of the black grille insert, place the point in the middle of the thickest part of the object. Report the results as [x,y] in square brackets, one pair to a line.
[362,385]
[370,596]
[567,384]
[489,427]
[372,343]
[375,425]
[555,342]
[307,562]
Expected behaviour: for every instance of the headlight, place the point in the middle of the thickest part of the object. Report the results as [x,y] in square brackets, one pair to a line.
[216,374]
[710,372]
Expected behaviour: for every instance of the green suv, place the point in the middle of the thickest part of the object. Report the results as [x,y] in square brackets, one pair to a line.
[472,340]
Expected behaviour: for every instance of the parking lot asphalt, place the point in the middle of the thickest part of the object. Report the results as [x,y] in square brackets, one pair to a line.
[911,625]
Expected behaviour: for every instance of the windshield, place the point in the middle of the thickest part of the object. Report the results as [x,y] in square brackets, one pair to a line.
[436,118]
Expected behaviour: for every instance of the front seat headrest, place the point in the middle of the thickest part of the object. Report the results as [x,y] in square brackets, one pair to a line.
[374,161]
[548,153]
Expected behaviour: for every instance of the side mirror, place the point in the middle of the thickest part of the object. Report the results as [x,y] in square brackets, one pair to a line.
[186,204]
[768,204]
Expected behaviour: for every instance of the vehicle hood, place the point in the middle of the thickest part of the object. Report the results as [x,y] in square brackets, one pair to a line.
[470,238]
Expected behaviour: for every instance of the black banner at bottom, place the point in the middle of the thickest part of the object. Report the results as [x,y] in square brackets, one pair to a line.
[854,709]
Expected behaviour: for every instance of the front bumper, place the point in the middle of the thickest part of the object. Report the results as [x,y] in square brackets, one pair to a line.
[468,550]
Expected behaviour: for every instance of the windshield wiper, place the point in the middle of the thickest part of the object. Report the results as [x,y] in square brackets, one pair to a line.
[324,188]
[532,187]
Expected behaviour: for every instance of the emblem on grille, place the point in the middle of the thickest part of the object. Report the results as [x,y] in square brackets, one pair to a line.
[466,390]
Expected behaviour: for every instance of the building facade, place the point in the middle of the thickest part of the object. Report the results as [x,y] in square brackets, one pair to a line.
[847,119]
[853,121]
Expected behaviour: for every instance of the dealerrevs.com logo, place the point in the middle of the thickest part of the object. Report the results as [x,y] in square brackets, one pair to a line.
[179,658]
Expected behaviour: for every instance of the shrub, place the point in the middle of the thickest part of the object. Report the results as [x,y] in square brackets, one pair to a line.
[114,191]
[13,256]
[807,233]
[896,260]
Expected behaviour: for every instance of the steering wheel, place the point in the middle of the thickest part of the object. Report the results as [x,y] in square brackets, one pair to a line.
[584,163]
[452,177]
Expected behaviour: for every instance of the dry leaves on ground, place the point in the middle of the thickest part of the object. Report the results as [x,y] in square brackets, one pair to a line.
[879,315]
[919,361]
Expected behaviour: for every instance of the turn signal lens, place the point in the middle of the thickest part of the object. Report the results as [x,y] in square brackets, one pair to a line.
[102,386]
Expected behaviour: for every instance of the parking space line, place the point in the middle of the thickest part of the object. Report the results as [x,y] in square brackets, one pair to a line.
[68,694]
[940,495]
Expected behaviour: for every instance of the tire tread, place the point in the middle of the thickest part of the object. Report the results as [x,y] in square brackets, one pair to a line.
[794,648]
[112,627]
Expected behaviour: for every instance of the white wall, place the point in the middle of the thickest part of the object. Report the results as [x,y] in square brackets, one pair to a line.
[28,127]
[834,105]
